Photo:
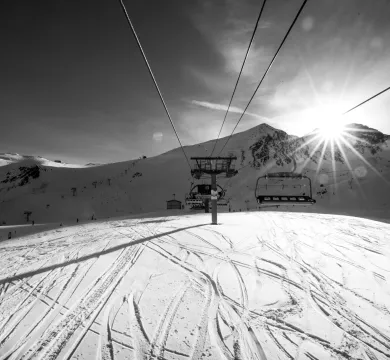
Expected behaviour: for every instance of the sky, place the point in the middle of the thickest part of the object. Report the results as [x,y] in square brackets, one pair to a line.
[74,86]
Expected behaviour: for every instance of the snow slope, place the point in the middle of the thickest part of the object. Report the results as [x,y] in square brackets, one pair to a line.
[266,285]
[45,188]
[12,158]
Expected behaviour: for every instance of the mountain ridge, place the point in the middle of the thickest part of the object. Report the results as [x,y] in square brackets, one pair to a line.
[63,192]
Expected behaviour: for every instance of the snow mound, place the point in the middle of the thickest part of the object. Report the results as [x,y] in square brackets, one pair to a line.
[258,286]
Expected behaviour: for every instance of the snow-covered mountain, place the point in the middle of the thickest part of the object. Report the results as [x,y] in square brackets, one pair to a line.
[355,183]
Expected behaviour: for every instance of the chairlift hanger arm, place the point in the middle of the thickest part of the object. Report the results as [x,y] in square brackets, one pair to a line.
[213,165]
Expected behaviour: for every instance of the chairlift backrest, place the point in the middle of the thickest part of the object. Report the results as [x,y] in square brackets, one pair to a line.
[268,198]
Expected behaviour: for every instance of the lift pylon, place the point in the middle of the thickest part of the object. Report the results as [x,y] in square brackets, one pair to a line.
[213,166]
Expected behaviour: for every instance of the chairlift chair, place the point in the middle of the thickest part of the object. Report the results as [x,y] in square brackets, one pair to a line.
[277,181]
[199,193]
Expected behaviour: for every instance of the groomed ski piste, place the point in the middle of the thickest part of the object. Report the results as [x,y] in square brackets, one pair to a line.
[260,285]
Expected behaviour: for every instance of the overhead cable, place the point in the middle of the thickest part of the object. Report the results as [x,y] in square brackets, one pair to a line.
[266,72]
[372,97]
[153,78]
[239,75]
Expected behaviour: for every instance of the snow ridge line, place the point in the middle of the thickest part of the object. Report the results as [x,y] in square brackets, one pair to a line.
[57,336]
[20,317]
[82,277]
[19,284]
[278,344]
[365,332]
[82,244]
[105,339]
[243,292]
[162,331]
[201,330]
[287,326]
[39,323]
[140,338]
[229,241]
[72,350]
[87,327]
[325,284]
[77,279]
[216,337]
[9,278]
[6,285]
[323,281]
[205,278]
[245,346]
[5,331]
[257,344]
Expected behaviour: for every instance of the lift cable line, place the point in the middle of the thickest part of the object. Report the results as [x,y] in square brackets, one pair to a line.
[266,72]
[367,100]
[239,75]
[153,78]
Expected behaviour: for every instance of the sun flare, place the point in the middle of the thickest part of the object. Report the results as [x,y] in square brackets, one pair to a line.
[330,125]
[331,130]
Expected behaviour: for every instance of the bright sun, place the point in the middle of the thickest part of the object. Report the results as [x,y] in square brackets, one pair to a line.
[328,122]
[331,130]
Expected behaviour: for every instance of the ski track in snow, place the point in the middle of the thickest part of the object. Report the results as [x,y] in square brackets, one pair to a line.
[270,286]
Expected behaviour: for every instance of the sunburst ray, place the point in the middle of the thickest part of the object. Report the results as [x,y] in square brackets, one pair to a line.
[333,164]
[349,165]
[364,141]
[364,160]
[321,158]
[311,154]
[306,143]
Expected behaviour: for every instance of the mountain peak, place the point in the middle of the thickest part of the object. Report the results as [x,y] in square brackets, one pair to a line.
[266,126]
[367,134]
[361,127]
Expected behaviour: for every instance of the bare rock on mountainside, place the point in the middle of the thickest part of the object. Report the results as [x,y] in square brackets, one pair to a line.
[23,173]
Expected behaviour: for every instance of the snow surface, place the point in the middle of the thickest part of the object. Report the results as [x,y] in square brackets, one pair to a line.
[260,285]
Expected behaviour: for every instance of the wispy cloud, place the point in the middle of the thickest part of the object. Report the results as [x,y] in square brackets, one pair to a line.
[222,107]
[230,32]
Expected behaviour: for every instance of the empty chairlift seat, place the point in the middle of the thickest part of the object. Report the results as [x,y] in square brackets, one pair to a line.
[293,189]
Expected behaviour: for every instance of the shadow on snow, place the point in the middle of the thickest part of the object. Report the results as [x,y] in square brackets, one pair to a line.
[91,256]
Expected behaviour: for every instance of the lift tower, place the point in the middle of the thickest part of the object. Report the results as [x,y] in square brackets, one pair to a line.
[213,166]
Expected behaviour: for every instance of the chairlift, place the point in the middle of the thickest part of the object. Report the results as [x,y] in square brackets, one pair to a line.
[195,199]
[270,196]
